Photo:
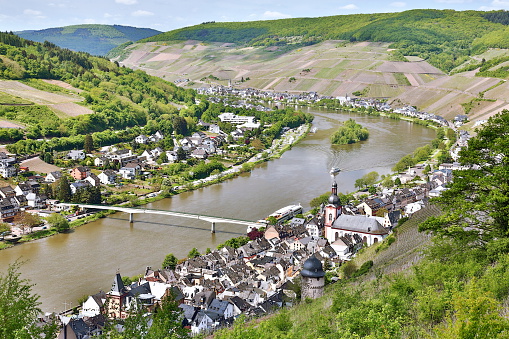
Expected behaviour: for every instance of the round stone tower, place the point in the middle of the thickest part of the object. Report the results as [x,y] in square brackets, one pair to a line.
[313,278]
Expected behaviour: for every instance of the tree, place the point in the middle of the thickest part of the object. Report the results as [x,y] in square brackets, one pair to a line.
[167,321]
[163,158]
[58,221]
[476,205]
[19,308]
[63,190]
[28,220]
[257,144]
[477,314]
[193,253]
[4,227]
[271,220]
[180,125]
[89,144]
[181,154]
[170,261]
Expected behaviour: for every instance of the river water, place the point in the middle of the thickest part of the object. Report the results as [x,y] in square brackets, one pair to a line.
[67,266]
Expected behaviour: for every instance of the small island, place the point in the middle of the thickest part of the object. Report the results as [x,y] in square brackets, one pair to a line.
[351,132]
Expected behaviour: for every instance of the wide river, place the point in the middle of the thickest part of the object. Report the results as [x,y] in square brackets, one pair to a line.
[67,266]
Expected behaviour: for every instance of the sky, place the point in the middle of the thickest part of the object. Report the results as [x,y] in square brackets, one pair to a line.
[166,15]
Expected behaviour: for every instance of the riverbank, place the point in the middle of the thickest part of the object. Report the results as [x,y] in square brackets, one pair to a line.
[277,149]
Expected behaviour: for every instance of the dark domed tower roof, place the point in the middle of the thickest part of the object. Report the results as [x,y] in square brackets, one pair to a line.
[312,268]
[334,199]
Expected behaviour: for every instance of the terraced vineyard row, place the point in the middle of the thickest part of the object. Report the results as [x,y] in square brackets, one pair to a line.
[405,251]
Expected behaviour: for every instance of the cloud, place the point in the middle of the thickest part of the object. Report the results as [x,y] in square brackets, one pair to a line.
[61,5]
[127,2]
[142,13]
[398,4]
[349,7]
[500,3]
[495,5]
[32,12]
[275,15]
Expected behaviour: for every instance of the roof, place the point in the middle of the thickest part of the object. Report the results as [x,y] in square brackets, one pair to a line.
[359,223]
[312,268]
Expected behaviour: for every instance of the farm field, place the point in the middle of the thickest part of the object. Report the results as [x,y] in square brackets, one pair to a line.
[329,68]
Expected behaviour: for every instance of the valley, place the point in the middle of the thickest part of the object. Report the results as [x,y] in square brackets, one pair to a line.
[330,68]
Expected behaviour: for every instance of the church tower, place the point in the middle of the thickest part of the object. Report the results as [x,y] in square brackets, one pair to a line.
[333,207]
[313,278]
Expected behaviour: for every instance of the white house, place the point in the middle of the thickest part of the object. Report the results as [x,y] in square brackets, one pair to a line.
[141,139]
[93,305]
[157,136]
[53,176]
[78,185]
[35,201]
[108,177]
[130,170]
[7,170]
[76,155]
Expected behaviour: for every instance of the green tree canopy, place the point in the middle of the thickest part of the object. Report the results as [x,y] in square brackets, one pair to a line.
[63,190]
[351,132]
[19,308]
[58,221]
[170,261]
[193,253]
[88,144]
[476,205]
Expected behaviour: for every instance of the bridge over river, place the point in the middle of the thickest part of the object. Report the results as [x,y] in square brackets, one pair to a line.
[132,210]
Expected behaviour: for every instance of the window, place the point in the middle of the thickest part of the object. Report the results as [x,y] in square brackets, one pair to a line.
[330,216]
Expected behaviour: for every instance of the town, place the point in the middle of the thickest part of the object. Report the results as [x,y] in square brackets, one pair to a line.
[254,278]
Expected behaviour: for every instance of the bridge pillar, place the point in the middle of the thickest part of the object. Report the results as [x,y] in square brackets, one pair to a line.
[131,219]
[213,228]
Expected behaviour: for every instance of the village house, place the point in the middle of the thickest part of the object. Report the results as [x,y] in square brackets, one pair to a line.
[76,155]
[108,177]
[78,185]
[141,139]
[130,170]
[101,161]
[53,176]
[7,169]
[80,172]
[122,156]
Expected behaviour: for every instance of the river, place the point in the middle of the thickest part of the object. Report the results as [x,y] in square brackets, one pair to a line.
[67,266]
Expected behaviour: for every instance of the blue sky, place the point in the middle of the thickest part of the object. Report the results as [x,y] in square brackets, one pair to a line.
[165,15]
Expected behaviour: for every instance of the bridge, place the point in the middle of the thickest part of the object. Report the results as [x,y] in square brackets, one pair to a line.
[131,211]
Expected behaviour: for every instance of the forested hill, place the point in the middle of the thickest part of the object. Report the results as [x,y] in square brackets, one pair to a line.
[445,38]
[118,96]
[93,39]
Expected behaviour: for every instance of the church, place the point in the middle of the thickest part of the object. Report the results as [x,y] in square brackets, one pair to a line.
[338,225]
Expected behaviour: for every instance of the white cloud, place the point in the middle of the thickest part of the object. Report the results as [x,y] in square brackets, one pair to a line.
[142,13]
[275,15]
[349,7]
[495,5]
[398,4]
[60,5]
[127,2]
[500,3]
[32,12]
